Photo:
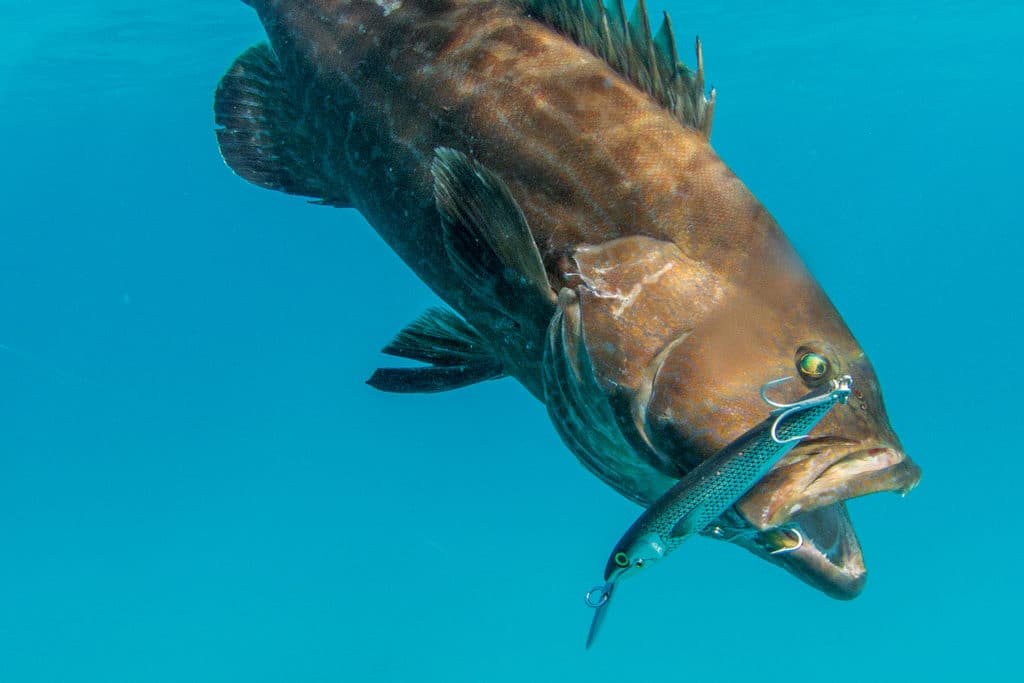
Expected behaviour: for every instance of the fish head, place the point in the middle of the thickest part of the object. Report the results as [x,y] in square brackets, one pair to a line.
[704,395]
[682,354]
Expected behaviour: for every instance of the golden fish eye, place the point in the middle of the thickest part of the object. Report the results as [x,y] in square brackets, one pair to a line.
[813,366]
[621,559]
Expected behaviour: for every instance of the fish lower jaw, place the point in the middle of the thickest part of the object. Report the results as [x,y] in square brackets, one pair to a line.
[828,557]
[831,558]
[784,494]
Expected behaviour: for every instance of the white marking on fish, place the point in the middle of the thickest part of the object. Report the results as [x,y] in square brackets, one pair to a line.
[388,6]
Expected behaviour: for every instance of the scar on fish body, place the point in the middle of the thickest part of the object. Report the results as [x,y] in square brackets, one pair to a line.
[545,167]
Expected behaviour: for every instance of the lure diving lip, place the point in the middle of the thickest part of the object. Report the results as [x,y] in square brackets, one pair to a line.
[699,498]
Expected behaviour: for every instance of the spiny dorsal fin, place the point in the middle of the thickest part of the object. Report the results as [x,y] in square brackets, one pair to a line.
[649,61]
[457,355]
[486,235]
[259,135]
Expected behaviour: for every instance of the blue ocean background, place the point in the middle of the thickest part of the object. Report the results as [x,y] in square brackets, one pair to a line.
[197,485]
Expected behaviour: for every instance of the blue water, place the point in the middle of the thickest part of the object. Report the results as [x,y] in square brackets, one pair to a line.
[196,485]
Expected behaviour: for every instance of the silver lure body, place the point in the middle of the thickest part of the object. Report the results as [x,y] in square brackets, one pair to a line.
[707,491]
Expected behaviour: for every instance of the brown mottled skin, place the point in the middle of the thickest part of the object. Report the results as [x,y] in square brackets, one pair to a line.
[683,335]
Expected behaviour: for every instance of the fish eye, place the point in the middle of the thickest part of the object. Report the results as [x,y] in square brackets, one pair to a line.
[812,366]
[621,559]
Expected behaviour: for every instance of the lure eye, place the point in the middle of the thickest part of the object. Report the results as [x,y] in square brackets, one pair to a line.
[621,559]
[812,366]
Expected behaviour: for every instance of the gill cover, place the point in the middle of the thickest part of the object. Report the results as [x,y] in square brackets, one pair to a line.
[627,304]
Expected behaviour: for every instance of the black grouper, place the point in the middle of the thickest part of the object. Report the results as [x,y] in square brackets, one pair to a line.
[545,167]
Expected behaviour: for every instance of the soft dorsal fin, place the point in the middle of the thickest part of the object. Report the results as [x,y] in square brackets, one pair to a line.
[647,60]
[486,236]
[260,135]
[456,353]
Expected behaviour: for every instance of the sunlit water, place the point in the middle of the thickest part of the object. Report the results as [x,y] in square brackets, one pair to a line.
[196,485]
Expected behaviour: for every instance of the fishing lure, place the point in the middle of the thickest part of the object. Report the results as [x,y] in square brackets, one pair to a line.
[699,498]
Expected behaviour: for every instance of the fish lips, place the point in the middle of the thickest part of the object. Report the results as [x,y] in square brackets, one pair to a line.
[821,472]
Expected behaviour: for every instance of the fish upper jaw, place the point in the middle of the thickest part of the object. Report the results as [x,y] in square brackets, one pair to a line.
[824,471]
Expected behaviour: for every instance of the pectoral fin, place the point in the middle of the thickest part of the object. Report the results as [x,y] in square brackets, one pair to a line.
[456,354]
[486,236]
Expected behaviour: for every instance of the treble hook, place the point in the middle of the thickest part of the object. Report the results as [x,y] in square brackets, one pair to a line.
[783,415]
[838,390]
[732,534]
[764,396]
[786,408]
[799,543]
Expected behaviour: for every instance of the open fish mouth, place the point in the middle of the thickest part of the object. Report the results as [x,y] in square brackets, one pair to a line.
[803,498]
[823,471]
[828,556]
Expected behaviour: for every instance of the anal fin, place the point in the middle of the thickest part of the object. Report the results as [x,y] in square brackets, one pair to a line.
[260,132]
[456,354]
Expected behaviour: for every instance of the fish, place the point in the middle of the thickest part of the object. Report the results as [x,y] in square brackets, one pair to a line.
[545,167]
[713,486]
